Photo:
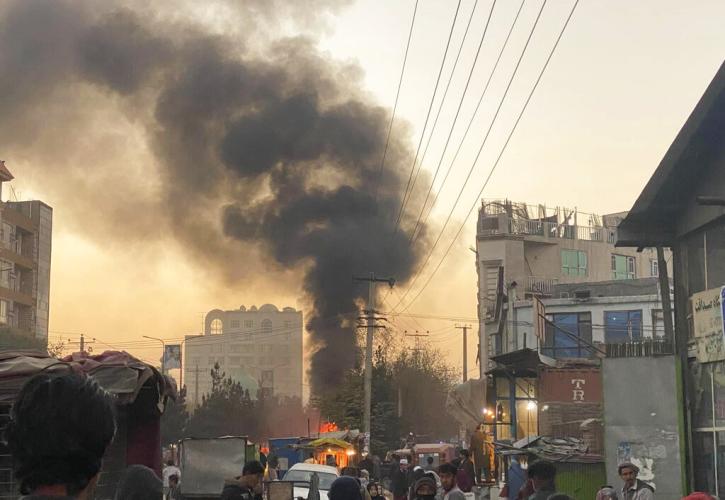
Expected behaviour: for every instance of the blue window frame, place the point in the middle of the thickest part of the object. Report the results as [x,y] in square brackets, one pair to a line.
[568,335]
[622,326]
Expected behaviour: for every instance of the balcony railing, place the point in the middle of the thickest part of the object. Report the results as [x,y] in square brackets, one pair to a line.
[640,348]
[543,286]
[491,225]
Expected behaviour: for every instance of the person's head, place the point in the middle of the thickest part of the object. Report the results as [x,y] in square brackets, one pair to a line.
[447,473]
[424,489]
[173,480]
[628,472]
[374,490]
[139,483]
[60,427]
[542,474]
[169,462]
[607,493]
[364,474]
[311,455]
[465,454]
[345,488]
[253,475]
[404,463]
[429,460]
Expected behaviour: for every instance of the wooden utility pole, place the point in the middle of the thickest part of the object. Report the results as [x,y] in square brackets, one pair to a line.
[368,382]
[665,295]
[465,349]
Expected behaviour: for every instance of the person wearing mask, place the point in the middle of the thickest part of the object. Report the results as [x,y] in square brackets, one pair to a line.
[248,486]
[60,427]
[138,482]
[633,488]
[345,488]
[424,489]
[413,478]
[542,474]
[399,480]
[466,472]
[451,491]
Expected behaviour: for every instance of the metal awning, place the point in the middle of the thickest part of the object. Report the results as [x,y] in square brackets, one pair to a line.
[522,363]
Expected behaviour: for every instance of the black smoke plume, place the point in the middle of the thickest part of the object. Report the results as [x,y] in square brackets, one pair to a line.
[256,141]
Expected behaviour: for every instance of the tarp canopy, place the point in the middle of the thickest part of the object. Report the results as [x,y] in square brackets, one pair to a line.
[118,372]
[466,401]
[328,442]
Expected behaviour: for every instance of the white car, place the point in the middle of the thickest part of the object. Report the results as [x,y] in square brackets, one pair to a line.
[303,473]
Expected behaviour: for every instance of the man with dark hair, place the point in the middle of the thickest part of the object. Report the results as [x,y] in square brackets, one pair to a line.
[429,463]
[447,472]
[139,483]
[542,474]
[633,488]
[61,424]
[466,472]
[248,486]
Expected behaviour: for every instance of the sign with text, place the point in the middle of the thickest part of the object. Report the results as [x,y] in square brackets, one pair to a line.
[570,386]
[707,321]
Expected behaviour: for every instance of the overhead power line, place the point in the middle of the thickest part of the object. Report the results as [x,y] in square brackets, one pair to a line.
[395,105]
[500,155]
[468,127]
[409,186]
[453,125]
[478,155]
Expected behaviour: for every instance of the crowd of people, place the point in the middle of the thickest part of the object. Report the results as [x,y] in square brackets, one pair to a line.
[62,423]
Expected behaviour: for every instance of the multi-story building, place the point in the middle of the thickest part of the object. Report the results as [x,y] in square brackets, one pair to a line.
[26,229]
[260,348]
[525,251]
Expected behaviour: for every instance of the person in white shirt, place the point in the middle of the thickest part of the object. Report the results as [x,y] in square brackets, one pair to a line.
[170,470]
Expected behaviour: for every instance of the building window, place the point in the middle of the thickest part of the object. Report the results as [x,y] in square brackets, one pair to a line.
[216,327]
[266,326]
[4,312]
[654,267]
[658,323]
[568,335]
[623,267]
[573,263]
[622,326]
[235,323]
[248,323]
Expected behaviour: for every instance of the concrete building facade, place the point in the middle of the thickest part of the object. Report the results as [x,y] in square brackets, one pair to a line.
[26,229]
[260,348]
[526,251]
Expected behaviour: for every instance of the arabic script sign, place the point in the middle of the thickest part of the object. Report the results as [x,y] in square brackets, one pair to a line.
[707,318]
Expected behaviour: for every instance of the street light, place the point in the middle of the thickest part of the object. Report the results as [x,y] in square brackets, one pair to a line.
[163,352]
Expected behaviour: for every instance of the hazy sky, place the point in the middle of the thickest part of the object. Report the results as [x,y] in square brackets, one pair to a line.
[622,82]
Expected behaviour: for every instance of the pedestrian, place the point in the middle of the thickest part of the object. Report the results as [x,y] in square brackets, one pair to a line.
[174,488]
[60,427]
[169,470]
[478,449]
[272,464]
[248,486]
[606,493]
[429,463]
[138,482]
[399,480]
[345,488]
[542,474]
[466,472]
[515,479]
[310,458]
[424,489]
[633,488]
[375,490]
[447,472]
[413,478]
[364,478]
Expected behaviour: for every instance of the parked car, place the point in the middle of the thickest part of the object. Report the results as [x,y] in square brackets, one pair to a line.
[301,474]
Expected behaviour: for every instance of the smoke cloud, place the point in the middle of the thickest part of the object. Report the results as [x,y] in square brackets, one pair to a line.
[207,128]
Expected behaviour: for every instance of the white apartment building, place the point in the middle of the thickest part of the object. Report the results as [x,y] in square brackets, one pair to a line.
[260,348]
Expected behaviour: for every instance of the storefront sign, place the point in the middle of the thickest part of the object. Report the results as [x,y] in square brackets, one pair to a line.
[707,318]
[570,386]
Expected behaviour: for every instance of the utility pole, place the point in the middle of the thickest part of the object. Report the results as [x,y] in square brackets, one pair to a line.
[465,349]
[196,387]
[368,387]
[83,343]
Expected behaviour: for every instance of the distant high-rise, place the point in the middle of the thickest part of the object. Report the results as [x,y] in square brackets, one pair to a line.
[26,230]
[260,348]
